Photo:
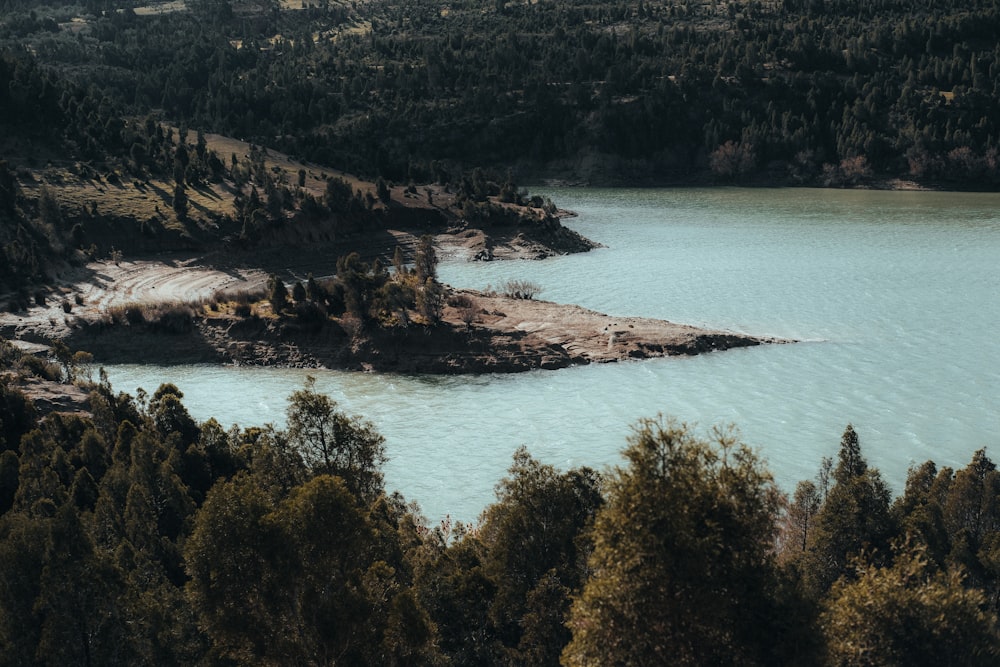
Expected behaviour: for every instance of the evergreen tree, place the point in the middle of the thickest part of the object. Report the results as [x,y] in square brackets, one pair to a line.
[180,201]
[908,614]
[425,259]
[682,567]
[854,518]
[277,294]
[535,550]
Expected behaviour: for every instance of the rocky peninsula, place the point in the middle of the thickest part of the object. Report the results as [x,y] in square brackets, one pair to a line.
[477,332]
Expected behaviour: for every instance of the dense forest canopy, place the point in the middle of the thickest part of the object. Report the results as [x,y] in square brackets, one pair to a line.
[831,92]
[136,535]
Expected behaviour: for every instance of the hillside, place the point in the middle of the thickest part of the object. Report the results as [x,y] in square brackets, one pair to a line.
[823,92]
[63,205]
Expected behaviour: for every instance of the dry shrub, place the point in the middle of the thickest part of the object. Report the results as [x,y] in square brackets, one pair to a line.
[460,301]
[242,299]
[521,289]
[126,313]
[467,307]
[170,317]
[29,364]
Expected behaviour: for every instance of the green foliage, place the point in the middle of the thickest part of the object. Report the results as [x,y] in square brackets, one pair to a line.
[425,259]
[955,517]
[682,567]
[334,443]
[171,417]
[9,479]
[854,518]
[339,197]
[535,552]
[430,300]
[180,201]
[814,92]
[273,582]
[382,188]
[17,415]
[142,537]
[908,614]
[229,576]
[277,294]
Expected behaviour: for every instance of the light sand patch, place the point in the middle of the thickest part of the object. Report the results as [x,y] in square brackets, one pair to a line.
[105,285]
[161,8]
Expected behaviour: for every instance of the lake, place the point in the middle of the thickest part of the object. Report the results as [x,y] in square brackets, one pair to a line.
[892,295]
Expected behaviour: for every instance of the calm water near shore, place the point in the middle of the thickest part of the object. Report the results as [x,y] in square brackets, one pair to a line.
[894,295]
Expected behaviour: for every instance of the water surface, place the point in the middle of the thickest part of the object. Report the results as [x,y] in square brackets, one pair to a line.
[894,295]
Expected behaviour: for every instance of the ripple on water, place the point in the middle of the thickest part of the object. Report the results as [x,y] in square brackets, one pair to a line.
[896,293]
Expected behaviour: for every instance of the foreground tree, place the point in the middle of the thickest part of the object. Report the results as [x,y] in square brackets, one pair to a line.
[682,566]
[334,443]
[908,614]
[854,518]
[535,552]
[311,575]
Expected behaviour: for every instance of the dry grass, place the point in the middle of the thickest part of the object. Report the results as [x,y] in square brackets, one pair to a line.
[316,176]
[169,317]
[161,8]
[79,188]
[242,302]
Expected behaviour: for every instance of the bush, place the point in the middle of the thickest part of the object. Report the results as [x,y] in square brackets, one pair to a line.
[309,312]
[466,306]
[133,314]
[521,289]
[41,368]
[172,318]
[243,300]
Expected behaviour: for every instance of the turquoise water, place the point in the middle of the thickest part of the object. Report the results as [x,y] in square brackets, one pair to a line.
[894,296]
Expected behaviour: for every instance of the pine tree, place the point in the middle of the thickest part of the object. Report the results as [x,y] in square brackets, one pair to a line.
[682,569]
[854,518]
[277,294]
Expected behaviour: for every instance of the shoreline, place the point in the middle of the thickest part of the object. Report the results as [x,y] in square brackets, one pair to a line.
[478,332]
[507,336]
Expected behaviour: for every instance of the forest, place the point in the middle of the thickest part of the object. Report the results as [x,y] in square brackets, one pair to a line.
[133,534]
[821,92]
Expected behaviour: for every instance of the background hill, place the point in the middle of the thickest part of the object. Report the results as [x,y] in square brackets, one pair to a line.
[829,92]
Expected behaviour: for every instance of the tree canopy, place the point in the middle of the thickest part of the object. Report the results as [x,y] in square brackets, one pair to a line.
[139,536]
